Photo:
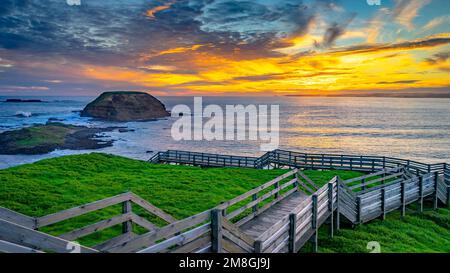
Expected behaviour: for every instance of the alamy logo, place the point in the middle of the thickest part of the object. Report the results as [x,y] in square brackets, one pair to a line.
[236,122]
[73,2]
[374,247]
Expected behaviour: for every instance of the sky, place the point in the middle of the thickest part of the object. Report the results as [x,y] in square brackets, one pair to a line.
[222,47]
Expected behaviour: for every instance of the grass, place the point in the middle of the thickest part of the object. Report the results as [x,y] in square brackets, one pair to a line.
[42,134]
[60,183]
[428,232]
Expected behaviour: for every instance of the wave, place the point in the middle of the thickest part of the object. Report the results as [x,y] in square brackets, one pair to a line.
[23,114]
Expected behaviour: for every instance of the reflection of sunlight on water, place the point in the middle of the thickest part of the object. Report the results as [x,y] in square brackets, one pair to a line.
[406,128]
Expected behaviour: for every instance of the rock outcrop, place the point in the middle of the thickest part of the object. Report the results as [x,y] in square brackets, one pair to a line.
[42,139]
[125,106]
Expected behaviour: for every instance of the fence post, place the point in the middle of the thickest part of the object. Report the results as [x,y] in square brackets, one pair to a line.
[128,225]
[292,227]
[216,231]
[255,207]
[314,223]
[403,199]
[436,180]
[331,208]
[276,195]
[358,210]
[258,246]
[421,194]
[338,210]
[383,203]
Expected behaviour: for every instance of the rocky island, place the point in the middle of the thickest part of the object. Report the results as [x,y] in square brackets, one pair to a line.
[45,138]
[125,106]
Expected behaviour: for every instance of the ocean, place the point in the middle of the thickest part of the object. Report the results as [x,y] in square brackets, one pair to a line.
[410,128]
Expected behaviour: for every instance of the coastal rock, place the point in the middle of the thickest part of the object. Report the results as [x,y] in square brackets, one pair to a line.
[41,139]
[22,100]
[125,106]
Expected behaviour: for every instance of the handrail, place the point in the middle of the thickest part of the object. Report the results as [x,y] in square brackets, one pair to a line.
[300,160]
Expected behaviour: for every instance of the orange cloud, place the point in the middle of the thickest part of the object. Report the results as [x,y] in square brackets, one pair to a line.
[151,12]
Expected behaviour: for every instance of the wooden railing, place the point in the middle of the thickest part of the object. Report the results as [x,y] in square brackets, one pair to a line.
[192,233]
[367,182]
[291,232]
[258,196]
[203,159]
[392,185]
[280,158]
[29,225]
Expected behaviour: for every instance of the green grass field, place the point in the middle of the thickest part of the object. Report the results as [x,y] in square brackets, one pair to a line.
[60,183]
[415,233]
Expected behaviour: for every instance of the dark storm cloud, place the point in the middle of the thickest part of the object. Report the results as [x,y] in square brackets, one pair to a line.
[106,31]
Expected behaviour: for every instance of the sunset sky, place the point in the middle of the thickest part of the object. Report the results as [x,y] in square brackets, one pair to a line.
[218,47]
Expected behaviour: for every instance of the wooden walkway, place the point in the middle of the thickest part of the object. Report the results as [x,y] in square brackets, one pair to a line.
[281,215]
[268,218]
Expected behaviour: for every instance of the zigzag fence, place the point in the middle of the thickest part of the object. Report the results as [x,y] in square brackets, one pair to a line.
[390,184]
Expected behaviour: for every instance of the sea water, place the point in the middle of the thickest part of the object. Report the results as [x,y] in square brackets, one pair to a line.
[411,128]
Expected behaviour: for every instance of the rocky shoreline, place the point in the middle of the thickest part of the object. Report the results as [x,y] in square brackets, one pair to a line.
[42,139]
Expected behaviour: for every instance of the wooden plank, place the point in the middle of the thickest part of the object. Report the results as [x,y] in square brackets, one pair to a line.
[18,218]
[314,224]
[331,208]
[266,207]
[237,241]
[371,175]
[83,209]
[149,238]
[104,246]
[216,231]
[81,232]
[237,232]
[7,247]
[152,209]
[282,231]
[383,203]
[35,239]
[260,199]
[230,247]
[143,222]
[255,190]
[181,239]
[403,199]
[304,176]
[195,245]
[127,226]
[368,183]
[292,225]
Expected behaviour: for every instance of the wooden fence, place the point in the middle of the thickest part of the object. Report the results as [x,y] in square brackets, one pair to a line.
[195,231]
[391,184]
[279,158]
[19,229]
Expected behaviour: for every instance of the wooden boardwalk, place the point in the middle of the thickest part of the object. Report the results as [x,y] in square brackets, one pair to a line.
[268,218]
[281,215]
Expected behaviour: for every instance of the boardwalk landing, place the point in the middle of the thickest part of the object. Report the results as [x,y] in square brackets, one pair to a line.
[268,218]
